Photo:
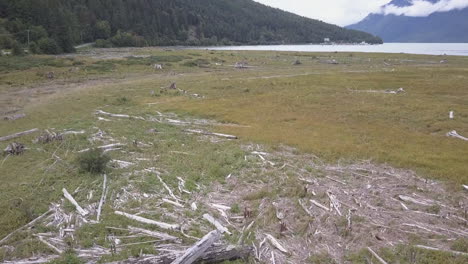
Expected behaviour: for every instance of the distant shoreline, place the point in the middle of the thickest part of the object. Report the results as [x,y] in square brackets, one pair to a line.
[449,49]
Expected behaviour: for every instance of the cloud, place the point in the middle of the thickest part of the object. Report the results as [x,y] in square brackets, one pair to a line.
[339,12]
[421,8]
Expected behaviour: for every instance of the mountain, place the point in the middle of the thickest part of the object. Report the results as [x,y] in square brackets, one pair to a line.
[443,27]
[57,25]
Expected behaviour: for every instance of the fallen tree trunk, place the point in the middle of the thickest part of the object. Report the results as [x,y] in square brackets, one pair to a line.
[454,134]
[215,254]
[100,112]
[443,250]
[216,223]
[201,132]
[14,117]
[197,250]
[72,200]
[19,134]
[27,225]
[149,221]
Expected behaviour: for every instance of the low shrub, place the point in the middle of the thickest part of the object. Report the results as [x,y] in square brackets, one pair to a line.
[93,161]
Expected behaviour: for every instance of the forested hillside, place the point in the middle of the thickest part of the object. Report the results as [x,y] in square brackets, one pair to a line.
[55,26]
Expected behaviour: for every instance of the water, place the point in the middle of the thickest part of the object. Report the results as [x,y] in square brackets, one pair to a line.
[460,49]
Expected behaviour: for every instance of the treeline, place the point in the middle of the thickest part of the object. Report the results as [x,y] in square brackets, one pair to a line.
[55,26]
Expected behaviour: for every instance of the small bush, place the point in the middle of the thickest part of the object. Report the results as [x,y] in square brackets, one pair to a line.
[93,161]
[102,43]
[48,46]
[17,50]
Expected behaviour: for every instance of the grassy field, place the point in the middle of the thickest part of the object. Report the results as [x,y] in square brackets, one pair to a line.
[317,107]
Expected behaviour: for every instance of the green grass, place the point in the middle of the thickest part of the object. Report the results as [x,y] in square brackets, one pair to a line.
[308,106]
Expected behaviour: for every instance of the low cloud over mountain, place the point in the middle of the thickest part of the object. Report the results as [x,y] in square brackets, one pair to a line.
[421,8]
[419,21]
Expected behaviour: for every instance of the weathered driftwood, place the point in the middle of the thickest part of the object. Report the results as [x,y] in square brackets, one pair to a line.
[14,117]
[452,133]
[217,224]
[214,254]
[48,137]
[70,132]
[397,91]
[72,200]
[40,260]
[26,226]
[335,180]
[412,200]
[155,234]
[100,112]
[443,250]
[168,189]
[105,147]
[19,134]
[173,202]
[197,250]
[319,205]
[334,203]
[305,207]
[276,243]
[14,148]
[103,198]
[376,256]
[196,131]
[149,221]
[49,245]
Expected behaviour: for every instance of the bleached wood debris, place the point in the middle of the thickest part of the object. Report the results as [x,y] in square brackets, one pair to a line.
[70,198]
[276,244]
[334,203]
[19,134]
[172,202]
[100,112]
[221,207]
[397,91]
[156,234]
[122,164]
[197,250]
[14,117]
[182,186]
[201,132]
[103,197]
[412,200]
[442,250]
[149,221]
[71,132]
[168,189]
[105,147]
[319,205]
[376,256]
[27,225]
[454,134]
[217,224]
[49,245]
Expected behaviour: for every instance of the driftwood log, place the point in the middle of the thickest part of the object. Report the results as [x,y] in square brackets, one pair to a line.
[19,134]
[215,254]
[14,149]
[197,250]
[14,117]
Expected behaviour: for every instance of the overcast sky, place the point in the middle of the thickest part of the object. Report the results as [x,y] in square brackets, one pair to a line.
[346,12]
